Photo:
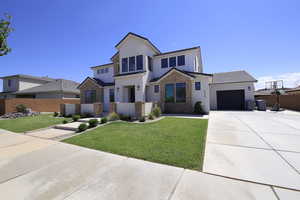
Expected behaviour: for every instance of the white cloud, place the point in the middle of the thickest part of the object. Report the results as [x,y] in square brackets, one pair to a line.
[290,80]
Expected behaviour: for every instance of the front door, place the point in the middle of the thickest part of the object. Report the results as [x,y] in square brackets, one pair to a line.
[131,94]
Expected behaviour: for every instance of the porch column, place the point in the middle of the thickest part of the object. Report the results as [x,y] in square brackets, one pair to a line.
[98,108]
[139,109]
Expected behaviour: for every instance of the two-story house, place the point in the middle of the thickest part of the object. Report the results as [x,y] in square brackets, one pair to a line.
[140,72]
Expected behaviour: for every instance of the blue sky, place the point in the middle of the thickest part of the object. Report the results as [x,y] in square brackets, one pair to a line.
[63,38]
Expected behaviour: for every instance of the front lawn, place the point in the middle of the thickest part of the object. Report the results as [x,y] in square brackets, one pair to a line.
[172,141]
[23,124]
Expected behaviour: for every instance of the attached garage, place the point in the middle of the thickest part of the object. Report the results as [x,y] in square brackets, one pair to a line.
[231,100]
[231,90]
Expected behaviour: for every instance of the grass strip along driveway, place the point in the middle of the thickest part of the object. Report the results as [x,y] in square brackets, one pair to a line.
[173,141]
[23,124]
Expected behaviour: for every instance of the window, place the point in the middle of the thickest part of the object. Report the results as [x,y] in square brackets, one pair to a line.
[124,64]
[197,86]
[106,70]
[132,63]
[9,83]
[164,63]
[111,95]
[98,71]
[180,92]
[156,88]
[149,63]
[90,96]
[172,62]
[139,62]
[102,71]
[180,60]
[169,95]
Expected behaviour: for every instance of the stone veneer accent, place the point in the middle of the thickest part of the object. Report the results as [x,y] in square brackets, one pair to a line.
[98,108]
[139,109]
[112,107]
[176,77]
[91,85]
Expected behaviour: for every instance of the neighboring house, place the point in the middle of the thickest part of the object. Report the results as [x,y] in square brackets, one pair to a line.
[295,90]
[25,86]
[140,72]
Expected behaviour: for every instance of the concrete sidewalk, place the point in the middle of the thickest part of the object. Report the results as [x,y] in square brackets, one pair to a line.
[33,168]
[261,147]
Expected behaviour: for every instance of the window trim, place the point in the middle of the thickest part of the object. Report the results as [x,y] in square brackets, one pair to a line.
[132,63]
[175,92]
[93,98]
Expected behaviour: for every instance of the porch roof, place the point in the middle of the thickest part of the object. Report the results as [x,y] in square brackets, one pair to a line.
[97,81]
[130,73]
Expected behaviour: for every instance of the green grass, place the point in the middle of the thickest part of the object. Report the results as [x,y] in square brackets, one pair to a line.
[29,123]
[172,141]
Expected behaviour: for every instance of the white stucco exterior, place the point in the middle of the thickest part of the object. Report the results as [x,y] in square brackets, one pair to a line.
[202,94]
[107,76]
[248,88]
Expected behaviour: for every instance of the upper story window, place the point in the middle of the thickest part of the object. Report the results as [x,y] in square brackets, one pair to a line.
[102,71]
[124,64]
[132,63]
[156,88]
[172,62]
[164,63]
[150,63]
[139,62]
[197,86]
[180,60]
[9,82]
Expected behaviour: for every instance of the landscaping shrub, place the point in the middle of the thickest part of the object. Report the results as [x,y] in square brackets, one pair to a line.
[113,116]
[150,116]
[21,108]
[93,123]
[125,117]
[82,127]
[65,121]
[55,114]
[198,108]
[156,112]
[142,119]
[86,115]
[103,120]
[75,118]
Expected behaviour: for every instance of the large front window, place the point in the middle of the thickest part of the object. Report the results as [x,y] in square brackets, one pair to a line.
[90,96]
[175,93]
[169,93]
[180,92]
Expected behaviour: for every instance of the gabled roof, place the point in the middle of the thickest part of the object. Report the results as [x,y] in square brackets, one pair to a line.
[141,37]
[187,73]
[58,85]
[96,81]
[40,78]
[232,77]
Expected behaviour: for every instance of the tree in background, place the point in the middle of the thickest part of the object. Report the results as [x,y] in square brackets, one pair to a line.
[5,29]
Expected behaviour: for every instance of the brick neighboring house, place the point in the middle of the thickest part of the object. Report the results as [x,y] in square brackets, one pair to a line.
[41,94]
[140,72]
[26,86]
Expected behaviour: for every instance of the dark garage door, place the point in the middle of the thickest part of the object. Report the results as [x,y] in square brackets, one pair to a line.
[231,100]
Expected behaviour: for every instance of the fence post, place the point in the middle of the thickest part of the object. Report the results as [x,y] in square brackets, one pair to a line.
[113,107]
[139,109]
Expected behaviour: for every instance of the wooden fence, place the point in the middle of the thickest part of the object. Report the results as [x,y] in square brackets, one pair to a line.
[290,101]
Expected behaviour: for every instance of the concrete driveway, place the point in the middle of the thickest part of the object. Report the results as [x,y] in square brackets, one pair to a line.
[33,168]
[261,147]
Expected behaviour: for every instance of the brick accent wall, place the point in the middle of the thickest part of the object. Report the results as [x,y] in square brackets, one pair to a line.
[39,105]
[176,77]
[90,85]
[290,101]
[139,109]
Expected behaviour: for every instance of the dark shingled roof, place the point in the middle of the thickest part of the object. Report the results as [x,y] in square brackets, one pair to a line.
[44,78]
[131,73]
[97,81]
[58,85]
[191,74]
[232,77]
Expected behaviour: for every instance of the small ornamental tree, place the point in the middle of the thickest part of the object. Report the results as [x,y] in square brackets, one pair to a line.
[5,29]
